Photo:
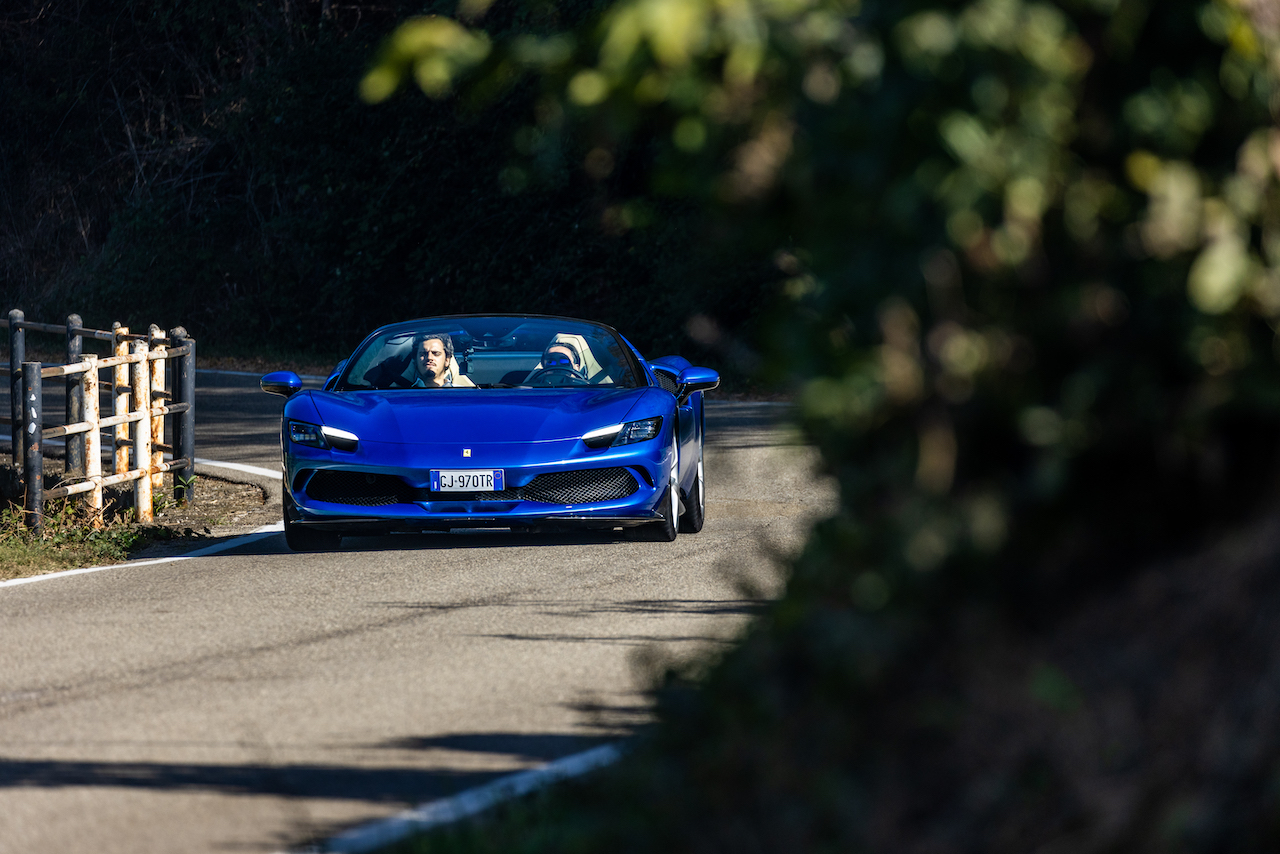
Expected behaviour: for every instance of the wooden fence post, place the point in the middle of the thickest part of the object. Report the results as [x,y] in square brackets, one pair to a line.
[141,372]
[93,440]
[120,394]
[158,395]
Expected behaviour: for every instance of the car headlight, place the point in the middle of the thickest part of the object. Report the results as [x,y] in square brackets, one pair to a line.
[624,434]
[315,436]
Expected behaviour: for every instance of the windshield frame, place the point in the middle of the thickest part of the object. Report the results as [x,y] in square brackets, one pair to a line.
[467,345]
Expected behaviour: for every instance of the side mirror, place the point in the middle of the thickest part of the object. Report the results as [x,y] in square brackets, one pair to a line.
[694,379]
[283,383]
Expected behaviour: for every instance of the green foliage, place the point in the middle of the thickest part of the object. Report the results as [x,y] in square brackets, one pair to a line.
[1028,259]
[68,540]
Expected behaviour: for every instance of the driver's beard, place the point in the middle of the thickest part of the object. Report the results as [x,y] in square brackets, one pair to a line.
[432,377]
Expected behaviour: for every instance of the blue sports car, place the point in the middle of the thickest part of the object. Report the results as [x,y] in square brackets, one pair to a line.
[503,421]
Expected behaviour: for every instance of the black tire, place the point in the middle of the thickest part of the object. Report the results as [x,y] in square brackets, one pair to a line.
[665,529]
[302,539]
[695,503]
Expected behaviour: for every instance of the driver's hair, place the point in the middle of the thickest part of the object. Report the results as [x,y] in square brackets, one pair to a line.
[442,337]
[577,357]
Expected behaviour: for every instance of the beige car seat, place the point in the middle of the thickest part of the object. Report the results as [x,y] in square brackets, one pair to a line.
[460,380]
[590,366]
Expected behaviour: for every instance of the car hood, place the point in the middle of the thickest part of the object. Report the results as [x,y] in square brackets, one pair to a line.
[475,416]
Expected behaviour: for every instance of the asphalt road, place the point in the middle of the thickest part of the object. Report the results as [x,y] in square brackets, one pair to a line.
[256,700]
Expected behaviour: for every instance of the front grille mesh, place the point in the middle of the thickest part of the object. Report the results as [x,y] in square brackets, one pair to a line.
[504,495]
[583,486]
[362,489]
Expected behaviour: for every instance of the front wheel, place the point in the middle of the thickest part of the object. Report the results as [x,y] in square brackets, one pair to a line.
[665,529]
[302,539]
[695,505]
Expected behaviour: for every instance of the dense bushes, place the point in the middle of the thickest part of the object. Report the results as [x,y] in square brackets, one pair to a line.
[1032,288]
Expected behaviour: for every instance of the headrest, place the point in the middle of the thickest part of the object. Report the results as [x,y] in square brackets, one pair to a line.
[590,367]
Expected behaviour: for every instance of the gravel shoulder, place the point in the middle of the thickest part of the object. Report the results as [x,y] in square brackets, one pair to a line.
[221,508]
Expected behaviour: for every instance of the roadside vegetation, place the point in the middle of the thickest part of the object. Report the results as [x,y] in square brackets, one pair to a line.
[69,541]
[1026,267]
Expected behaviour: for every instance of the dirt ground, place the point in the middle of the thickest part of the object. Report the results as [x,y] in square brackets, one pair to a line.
[218,509]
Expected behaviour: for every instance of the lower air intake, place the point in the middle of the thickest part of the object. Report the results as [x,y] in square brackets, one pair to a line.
[585,486]
[362,489]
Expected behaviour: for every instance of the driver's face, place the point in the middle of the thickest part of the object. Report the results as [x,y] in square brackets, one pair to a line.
[561,356]
[431,360]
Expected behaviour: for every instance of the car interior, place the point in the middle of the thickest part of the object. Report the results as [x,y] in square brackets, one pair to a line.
[492,357]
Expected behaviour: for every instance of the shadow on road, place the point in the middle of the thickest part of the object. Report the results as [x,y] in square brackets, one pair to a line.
[481,538]
[526,747]
[443,540]
[302,781]
[372,783]
[587,608]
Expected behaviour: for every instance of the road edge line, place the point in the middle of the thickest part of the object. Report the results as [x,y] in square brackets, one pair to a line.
[433,814]
[243,539]
[244,468]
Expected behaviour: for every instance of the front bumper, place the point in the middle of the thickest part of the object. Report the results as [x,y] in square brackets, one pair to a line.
[548,485]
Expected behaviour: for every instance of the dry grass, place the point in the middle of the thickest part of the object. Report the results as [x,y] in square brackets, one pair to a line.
[69,539]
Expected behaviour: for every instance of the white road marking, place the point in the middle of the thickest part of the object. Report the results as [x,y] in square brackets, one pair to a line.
[264,531]
[434,814]
[241,467]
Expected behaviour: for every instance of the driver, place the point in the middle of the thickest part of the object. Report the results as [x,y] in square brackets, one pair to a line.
[433,362]
[563,355]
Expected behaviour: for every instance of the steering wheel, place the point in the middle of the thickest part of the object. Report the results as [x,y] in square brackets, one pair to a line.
[556,375]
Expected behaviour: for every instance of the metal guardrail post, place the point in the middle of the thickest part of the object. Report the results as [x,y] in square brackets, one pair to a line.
[141,377]
[120,398]
[93,440]
[32,458]
[184,425]
[75,396]
[17,355]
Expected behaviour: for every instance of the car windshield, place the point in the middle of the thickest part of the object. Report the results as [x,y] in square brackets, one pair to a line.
[491,352]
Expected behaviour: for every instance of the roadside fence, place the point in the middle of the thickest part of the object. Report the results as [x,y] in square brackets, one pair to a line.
[141,398]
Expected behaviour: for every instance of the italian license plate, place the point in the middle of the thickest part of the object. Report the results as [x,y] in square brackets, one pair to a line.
[466,480]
